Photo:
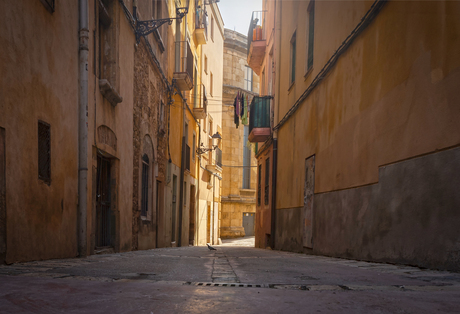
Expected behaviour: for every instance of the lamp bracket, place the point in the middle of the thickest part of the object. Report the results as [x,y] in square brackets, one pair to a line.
[146,27]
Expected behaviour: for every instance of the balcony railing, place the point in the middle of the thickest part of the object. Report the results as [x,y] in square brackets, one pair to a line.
[201,24]
[200,102]
[259,119]
[256,41]
[183,74]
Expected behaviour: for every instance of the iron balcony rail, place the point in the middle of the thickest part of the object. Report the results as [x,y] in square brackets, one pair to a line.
[259,113]
[198,97]
[184,58]
[256,28]
[201,18]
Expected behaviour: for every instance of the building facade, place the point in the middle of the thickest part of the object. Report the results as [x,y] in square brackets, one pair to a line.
[104,109]
[208,152]
[364,149]
[239,164]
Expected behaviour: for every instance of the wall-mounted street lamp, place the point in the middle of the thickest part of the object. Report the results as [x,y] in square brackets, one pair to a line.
[146,27]
[201,150]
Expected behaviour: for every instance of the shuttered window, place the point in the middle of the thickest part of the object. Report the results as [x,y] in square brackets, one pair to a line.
[311,34]
[293,58]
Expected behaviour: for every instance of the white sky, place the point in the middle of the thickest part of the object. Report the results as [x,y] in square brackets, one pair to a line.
[237,13]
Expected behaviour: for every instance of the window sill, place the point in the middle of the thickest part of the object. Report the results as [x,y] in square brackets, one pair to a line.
[290,86]
[307,74]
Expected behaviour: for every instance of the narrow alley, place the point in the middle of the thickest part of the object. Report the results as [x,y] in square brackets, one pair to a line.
[236,278]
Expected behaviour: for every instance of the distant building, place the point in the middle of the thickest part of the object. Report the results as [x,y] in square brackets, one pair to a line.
[363,159]
[239,164]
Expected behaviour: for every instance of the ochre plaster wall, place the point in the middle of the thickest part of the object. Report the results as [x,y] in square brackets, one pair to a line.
[39,67]
[390,97]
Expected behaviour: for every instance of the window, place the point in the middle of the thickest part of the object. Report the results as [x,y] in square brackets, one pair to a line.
[246,160]
[44,152]
[212,28]
[293,54]
[310,34]
[211,91]
[161,114]
[156,9]
[263,89]
[210,133]
[259,185]
[267,180]
[205,64]
[145,185]
[193,146]
[248,73]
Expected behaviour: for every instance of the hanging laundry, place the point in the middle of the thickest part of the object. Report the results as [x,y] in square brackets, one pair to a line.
[236,118]
[244,117]
[242,105]
[237,99]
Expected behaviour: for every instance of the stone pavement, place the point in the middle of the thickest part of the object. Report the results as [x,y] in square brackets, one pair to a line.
[236,278]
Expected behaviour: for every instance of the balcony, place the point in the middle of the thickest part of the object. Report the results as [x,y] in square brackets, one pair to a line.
[201,25]
[256,41]
[200,102]
[216,167]
[183,75]
[259,119]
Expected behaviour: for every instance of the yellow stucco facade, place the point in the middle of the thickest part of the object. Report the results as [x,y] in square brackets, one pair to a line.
[359,131]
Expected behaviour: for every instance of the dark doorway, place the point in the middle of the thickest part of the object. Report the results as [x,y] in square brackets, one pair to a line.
[174,206]
[103,197]
[191,237]
[248,224]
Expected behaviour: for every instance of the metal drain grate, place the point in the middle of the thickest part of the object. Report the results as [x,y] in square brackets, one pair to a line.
[231,285]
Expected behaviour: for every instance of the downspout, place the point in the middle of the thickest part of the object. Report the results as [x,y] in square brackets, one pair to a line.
[83,129]
[278,6]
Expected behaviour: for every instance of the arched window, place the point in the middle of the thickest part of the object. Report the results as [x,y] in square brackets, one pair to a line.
[145,185]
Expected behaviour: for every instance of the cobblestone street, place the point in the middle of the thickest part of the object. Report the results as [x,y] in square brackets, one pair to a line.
[235,278]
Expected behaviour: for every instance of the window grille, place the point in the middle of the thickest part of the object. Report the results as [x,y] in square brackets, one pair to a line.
[44,152]
[145,185]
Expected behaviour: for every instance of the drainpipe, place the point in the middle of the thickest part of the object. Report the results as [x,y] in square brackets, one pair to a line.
[278,6]
[83,129]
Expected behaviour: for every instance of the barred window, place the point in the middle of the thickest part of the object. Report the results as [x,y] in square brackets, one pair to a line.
[44,152]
